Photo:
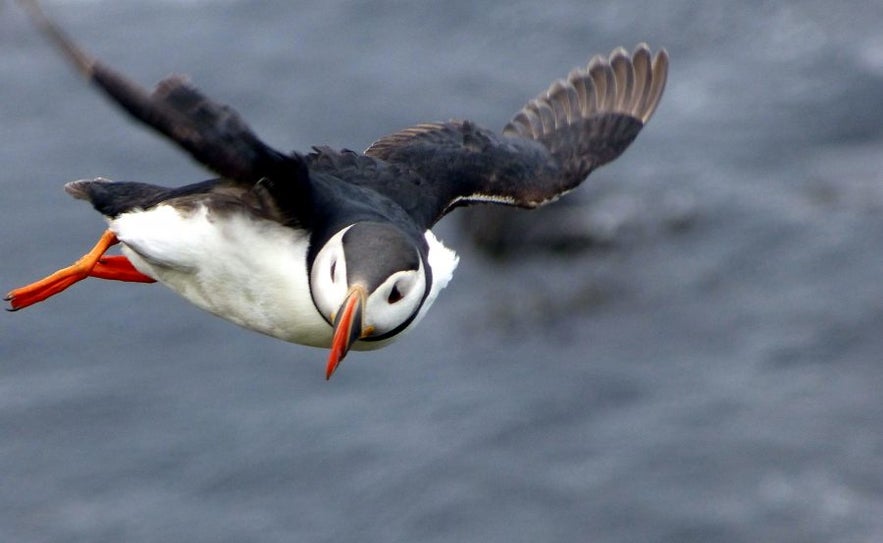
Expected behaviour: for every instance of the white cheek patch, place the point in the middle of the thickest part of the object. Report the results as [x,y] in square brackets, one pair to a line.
[404,283]
[328,276]
[384,316]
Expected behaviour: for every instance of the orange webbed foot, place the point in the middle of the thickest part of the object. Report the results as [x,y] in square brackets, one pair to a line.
[44,288]
[93,263]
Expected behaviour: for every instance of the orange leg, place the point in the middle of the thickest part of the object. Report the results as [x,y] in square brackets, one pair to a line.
[93,263]
[118,268]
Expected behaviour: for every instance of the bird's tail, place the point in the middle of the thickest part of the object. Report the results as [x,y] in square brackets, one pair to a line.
[606,103]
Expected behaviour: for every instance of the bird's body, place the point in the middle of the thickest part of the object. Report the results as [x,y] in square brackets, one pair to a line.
[229,264]
[335,248]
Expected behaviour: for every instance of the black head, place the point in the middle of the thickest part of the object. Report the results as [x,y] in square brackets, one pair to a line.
[369,282]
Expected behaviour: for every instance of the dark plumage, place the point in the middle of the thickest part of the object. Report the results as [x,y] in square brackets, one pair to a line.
[370,213]
[549,147]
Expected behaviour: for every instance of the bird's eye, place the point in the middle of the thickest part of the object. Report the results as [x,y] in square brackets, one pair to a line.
[394,295]
[333,269]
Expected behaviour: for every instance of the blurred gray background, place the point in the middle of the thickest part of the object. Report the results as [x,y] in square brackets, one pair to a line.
[687,349]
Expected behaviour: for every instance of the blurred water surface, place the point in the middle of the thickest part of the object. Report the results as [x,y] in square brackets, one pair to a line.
[712,372]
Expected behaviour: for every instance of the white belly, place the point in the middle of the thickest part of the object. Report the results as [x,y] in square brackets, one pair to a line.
[244,269]
[247,270]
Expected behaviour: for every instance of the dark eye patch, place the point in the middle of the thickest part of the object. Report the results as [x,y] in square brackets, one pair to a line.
[394,295]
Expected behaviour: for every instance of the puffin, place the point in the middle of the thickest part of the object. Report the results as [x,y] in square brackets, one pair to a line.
[334,248]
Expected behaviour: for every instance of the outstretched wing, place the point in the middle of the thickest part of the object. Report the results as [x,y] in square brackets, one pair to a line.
[550,146]
[214,134]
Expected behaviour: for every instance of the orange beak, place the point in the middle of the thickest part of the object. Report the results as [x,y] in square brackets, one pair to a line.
[347,327]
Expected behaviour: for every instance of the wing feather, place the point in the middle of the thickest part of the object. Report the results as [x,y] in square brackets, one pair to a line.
[213,133]
[548,148]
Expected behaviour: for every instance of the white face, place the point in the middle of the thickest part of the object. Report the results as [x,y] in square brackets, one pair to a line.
[392,303]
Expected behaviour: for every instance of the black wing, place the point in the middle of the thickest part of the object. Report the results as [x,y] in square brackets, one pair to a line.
[550,146]
[214,134]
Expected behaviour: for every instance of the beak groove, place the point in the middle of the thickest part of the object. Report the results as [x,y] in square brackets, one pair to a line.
[347,328]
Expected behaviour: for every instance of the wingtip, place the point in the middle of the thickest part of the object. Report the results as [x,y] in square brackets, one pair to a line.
[659,69]
[617,53]
[83,62]
[620,82]
[591,117]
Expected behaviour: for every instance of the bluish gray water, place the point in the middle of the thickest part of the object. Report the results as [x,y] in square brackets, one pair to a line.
[712,373]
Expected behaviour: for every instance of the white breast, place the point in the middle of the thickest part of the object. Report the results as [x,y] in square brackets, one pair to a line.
[247,270]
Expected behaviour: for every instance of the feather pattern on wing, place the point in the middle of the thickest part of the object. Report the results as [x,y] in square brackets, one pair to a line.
[580,123]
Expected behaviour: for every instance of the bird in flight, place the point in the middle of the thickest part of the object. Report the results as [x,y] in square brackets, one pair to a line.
[334,248]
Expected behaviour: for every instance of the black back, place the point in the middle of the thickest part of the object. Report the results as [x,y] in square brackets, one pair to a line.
[411,178]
